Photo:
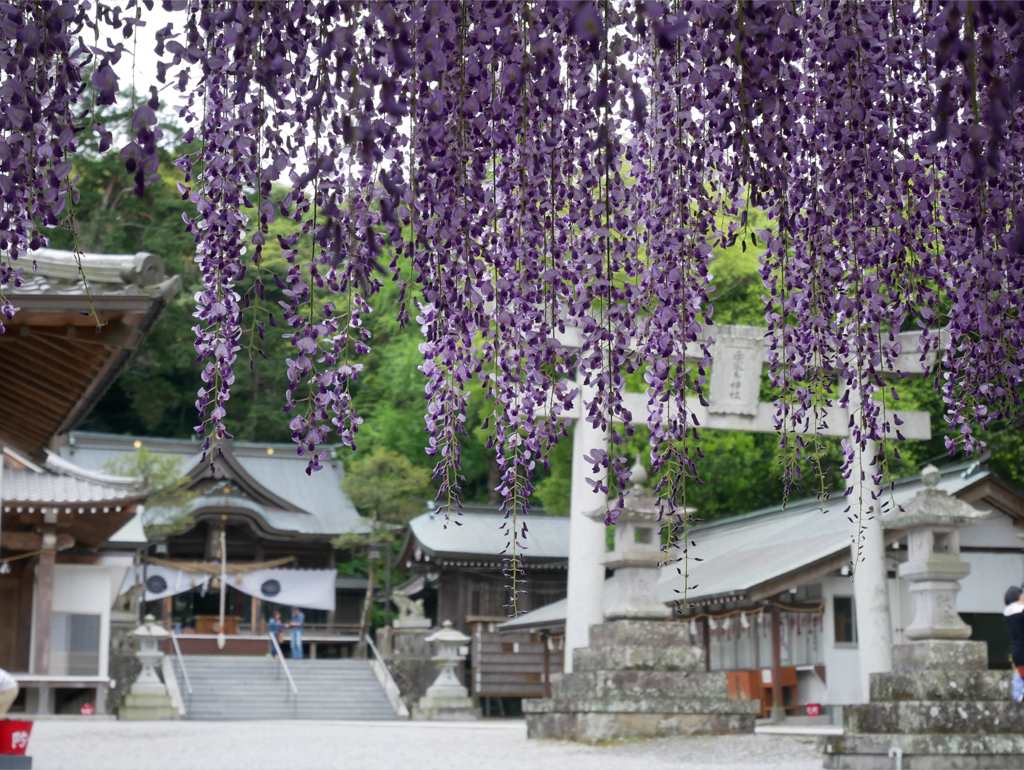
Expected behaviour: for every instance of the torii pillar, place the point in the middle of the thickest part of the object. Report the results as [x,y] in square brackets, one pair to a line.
[585,595]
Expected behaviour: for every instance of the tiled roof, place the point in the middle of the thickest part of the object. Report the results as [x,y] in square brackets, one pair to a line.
[57,272]
[480,534]
[62,483]
[322,507]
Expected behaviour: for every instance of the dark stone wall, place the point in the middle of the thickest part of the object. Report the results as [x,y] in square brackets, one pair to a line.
[124,666]
[407,657]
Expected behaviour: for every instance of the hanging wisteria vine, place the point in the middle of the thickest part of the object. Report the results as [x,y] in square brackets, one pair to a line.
[550,169]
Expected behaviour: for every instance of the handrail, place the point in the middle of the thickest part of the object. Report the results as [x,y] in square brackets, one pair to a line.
[280,657]
[181,662]
[383,674]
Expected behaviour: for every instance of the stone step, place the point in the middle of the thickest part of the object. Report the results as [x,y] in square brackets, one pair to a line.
[655,633]
[655,705]
[670,684]
[239,687]
[941,685]
[934,752]
[629,657]
[935,717]
[952,655]
[597,727]
[287,711]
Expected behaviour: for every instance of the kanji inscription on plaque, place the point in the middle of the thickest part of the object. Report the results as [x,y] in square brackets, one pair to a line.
[735,376]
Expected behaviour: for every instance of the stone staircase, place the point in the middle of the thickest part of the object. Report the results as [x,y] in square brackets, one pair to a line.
[250,687]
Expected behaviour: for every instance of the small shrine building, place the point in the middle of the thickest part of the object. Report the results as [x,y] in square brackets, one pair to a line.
[276,524]
[67,534]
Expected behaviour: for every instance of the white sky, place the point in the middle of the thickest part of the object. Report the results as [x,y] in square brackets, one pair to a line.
[144,44]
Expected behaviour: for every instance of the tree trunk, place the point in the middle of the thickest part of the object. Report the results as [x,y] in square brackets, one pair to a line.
[365,618]
[493,482]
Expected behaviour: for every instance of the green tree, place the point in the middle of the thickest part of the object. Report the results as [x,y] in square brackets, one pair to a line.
[387,490]
[165,485]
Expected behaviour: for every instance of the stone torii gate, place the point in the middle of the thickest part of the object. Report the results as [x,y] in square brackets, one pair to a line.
[733,405]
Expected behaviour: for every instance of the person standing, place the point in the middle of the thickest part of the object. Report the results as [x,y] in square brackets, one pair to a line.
[275,625]
[298,618]
[8,691]
[1014,614]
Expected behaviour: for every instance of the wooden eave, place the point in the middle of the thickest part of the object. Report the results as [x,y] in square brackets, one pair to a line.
[251,519]
[55,365]
[97,522]
[993,491]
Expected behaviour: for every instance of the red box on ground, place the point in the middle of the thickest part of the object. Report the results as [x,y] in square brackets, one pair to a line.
[87,709]
[14,736]
[813,709]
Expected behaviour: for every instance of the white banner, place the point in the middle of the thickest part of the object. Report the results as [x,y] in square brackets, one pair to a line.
[311,589]
[162,582]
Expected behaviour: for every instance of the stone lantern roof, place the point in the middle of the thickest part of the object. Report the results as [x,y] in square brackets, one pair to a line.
[641,504]
[933,506]
[448,635]
[150,629]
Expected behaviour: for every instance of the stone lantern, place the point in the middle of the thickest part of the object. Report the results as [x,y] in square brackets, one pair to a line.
[940,706]
[447,699]
[641,677]
[148,697]
[637,555]
[934,568]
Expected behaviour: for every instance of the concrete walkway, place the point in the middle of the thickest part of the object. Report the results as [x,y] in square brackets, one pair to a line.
[84,744]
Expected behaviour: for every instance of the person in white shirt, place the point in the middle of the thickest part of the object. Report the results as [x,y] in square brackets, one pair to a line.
[8,691]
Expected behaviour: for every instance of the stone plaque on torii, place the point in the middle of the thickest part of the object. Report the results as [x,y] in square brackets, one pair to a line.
[738,357]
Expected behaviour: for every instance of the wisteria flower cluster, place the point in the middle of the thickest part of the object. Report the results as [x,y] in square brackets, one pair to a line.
[558,175]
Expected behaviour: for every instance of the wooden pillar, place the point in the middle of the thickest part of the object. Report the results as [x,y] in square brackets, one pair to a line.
[44,601]
[168,605]
[545,640]
[778,711]
[706,634]
[256,613]
[332,565]
[23,654]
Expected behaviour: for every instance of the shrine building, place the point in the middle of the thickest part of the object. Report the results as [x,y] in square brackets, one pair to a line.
[67,534]
[458,569]
[277,524]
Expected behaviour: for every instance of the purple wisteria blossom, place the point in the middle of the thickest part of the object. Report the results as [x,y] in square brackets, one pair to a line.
[534,173]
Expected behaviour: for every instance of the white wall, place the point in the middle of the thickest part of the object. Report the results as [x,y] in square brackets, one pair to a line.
[995,532]
[991,574]
[85,589]
[842,664]
[118,564]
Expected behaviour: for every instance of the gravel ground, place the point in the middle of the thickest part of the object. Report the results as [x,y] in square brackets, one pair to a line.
[82,744]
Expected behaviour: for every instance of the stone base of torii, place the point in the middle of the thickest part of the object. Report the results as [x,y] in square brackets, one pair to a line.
[738,355]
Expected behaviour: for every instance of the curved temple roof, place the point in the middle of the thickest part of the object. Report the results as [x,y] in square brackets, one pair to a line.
[266,480]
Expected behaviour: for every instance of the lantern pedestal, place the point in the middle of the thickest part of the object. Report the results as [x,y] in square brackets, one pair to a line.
[638,679]
[940,707]
[148,697]
[447,699]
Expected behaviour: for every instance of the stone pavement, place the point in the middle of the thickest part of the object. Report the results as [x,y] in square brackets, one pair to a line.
[84,744]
